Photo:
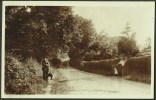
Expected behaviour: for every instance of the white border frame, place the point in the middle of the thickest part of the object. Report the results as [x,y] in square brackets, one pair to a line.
[72,3]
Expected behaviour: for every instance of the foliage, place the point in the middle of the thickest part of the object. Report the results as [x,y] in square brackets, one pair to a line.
[103,47]
[104,67]
[81,38]
[45,30]
[41,30]
[56,62]
[127,43]
[138,68]
[22,78]
[147,44]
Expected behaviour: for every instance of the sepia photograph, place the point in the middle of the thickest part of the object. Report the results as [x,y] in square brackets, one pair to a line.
[78,49]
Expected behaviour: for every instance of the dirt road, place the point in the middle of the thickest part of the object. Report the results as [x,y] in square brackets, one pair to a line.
[71,81]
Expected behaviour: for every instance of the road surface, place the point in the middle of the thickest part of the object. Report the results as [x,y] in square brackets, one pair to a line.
[70,81]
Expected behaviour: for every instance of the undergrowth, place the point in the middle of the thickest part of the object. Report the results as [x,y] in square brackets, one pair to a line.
[23,77]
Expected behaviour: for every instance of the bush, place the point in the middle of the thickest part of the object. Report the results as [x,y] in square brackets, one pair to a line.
[56,62]
[65,63]
[140,65]
[104,67]
[74,63]
[23,77]
[137,67]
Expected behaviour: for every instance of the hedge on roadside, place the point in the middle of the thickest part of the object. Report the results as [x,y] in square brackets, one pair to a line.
[104,67]
[23,77]
[138,68]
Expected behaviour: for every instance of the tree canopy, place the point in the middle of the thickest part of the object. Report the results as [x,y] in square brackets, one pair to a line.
[127,43]
[45,30]
[41,31]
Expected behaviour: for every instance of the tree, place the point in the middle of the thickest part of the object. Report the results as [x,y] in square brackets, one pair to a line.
[147,44]
[82,31]
[127,42]
[41,29]
[17,36]
[104,47]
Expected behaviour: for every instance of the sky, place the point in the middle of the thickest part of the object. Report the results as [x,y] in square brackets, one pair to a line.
[113,19]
